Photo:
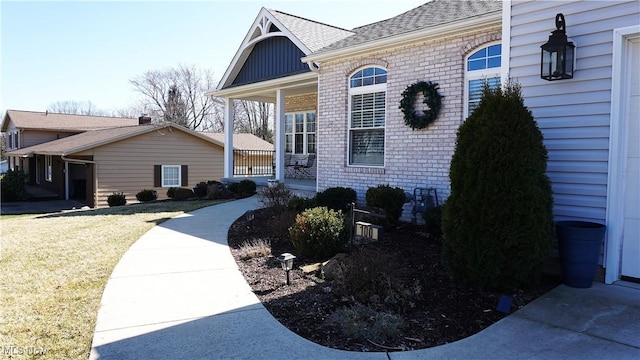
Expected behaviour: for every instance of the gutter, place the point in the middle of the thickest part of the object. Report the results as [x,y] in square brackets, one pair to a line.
[95,177]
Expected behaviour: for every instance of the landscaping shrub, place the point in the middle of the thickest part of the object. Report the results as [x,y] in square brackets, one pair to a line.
[366,324]
[201,189]
[337,198]
[147,195]
[319,232]
[389,199]
[497,223]
[182,194]
[370,275]
[117,199]
[13,186]
[275,196]
[171,192]
[246,187]
[280,223]
[254,248]
[217,190]
[300,204]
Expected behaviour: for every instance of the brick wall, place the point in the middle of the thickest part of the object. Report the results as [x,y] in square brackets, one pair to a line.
[419,158]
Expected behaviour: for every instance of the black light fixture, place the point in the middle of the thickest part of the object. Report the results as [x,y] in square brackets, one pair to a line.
[557,55]
[286,260]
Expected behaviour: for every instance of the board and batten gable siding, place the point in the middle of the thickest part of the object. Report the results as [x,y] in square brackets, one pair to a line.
[573,115]
[412,159]
[128,165]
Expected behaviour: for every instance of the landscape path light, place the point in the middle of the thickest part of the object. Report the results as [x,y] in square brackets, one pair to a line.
[286,260]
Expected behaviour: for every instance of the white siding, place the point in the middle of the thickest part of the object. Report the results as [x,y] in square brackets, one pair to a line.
[574,115]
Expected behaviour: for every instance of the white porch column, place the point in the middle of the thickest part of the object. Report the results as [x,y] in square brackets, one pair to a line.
[279,115]
[228,138]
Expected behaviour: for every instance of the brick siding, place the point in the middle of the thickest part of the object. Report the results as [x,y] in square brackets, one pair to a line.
[413,159]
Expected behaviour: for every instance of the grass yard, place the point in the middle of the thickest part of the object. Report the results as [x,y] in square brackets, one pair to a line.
[54,269]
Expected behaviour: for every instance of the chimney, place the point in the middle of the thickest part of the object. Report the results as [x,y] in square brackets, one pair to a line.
[144,120]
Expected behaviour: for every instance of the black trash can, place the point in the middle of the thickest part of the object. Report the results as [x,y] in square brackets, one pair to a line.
[579,243]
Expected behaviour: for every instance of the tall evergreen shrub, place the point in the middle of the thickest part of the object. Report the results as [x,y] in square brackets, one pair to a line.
[497,223]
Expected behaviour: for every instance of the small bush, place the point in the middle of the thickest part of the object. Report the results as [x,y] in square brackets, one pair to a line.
[246,187]
[147,195]
[389,199]
[217,190]
[337,198]
[117,199]
[255,248]
[181,194]
[364,323]
[13,186]
[275,196]
[233,187]
[171,192]
[433,220]
[300,204]
[319,232]
[372,278]
[201,189]
[280,223]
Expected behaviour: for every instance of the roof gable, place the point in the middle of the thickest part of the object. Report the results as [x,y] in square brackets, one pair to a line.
[46,121]
[302,36]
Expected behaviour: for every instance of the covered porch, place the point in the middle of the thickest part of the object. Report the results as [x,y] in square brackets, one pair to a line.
[294,102]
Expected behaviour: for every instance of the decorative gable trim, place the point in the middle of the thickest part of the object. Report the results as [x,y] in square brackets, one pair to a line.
[265,26]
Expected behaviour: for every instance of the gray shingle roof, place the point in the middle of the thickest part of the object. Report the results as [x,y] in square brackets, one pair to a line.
[53,121]
[94,138]
[431,14]
[314,35]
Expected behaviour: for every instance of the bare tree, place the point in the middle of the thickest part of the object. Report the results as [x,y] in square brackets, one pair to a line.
[254,118]
[178,95]
[75,107]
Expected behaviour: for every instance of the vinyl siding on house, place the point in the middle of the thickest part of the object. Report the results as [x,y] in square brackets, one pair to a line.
[128,166]
[35,137]
[573,115]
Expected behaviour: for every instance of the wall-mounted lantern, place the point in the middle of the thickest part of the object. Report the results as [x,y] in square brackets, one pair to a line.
[558,54]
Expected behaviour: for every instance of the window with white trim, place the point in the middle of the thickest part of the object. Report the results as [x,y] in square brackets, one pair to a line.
[48,168]
[481,66]
[300,132]
[171,175]
[367,116]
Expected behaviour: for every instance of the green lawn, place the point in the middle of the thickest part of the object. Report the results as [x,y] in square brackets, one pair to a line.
[54,269]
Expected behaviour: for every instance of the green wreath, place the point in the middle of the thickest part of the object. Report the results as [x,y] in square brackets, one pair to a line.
[431,97]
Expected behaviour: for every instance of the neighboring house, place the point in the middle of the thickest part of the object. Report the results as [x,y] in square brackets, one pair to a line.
[337,92]
[93,165]
[251,154]
[26,128]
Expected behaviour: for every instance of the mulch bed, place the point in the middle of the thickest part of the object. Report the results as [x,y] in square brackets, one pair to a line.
[441,311]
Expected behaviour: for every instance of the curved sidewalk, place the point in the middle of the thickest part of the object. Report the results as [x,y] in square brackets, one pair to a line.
[178,294]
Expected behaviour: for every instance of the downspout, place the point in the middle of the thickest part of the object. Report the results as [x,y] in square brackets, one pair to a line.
[95,175]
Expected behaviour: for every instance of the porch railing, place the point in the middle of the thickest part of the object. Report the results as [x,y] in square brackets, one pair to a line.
[253,162]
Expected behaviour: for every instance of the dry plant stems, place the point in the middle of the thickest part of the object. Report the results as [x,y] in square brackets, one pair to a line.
[55,267]
[255,248]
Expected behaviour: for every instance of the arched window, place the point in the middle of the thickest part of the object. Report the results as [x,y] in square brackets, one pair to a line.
[367,114]
[482,65]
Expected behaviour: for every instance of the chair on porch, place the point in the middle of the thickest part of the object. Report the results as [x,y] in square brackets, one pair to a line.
[304,170]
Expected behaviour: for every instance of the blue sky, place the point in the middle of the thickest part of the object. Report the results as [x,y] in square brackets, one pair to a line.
[88,50]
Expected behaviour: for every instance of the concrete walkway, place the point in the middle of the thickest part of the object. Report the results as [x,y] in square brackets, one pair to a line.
[178,294]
